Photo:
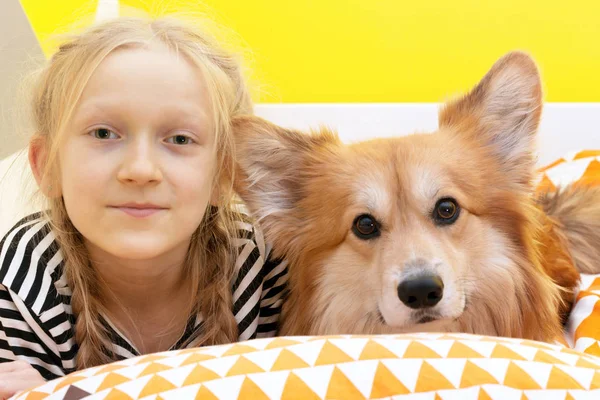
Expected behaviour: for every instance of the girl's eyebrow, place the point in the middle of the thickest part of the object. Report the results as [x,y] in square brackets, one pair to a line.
[189,117]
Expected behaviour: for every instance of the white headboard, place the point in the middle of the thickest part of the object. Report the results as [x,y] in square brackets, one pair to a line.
[565,127]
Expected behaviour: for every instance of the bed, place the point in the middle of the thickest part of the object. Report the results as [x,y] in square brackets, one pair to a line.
[418,366]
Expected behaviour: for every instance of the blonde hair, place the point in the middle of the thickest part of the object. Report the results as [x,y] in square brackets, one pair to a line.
[211,256]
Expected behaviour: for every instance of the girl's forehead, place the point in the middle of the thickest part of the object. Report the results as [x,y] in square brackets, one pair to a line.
[153,80]
[153,66]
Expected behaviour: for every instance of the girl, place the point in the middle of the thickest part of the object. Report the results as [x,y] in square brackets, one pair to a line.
[141,248]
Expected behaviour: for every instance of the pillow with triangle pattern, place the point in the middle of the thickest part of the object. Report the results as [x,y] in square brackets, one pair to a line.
[578,167]
[417,366]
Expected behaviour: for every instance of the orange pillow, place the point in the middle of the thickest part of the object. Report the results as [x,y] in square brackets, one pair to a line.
[419,366]
[581,167]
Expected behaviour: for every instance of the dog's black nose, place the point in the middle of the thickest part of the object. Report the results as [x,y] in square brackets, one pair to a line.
[421,292]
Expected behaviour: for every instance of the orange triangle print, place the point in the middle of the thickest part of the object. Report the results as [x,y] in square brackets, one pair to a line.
[591,176]
[205,394]
[281,342]
[540,345]
[295,389]
[385,384]
[239,349]
[546,185]
[116,394]
[244,366]
[460,350]
[554,164]
[331,354]
[430,379]
[149,358]
[590,327]
[69,379]
[501,351]
[419,350]
[561,380]
[200,374]
[476,376]
[542,356]
[595,284]
[36,396]
[587,328]
[288,360]
[569,397]
[155,385]
[483,395]
[340,387]
[153,368]
[582,362]
[111,380]
[375,351]
[189,350]
[109,368]
[586,153]
[519,379]
[595,381]
[196,358]
[251,391]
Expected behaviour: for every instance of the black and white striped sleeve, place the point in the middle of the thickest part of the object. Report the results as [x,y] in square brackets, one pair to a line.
[274,289]
[273,283]
[24,337]
[258,287]
[35,324]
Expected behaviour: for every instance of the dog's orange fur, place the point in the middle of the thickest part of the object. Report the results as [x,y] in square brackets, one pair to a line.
[506,269]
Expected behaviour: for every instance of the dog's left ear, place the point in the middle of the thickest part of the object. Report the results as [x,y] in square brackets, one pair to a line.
[502,113]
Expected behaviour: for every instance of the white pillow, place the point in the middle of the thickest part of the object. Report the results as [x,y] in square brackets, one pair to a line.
[17,189]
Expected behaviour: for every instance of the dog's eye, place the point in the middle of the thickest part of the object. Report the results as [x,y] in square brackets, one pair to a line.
[446,211]
[365,227]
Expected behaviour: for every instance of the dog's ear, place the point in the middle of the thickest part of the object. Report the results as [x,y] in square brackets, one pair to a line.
[502,113]
[273,166]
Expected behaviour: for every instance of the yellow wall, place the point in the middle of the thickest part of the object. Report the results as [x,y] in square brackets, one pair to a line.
[393,50]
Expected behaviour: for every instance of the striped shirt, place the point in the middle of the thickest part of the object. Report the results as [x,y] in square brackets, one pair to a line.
[37,323]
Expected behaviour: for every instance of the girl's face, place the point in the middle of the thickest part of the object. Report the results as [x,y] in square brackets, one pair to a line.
[138,160]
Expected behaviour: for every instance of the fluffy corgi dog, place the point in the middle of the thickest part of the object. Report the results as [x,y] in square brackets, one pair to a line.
[427,232]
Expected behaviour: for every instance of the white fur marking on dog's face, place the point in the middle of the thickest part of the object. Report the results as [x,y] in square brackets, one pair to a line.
[373,195]
[425,184]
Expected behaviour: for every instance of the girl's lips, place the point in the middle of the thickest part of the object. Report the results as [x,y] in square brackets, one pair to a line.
[140,212]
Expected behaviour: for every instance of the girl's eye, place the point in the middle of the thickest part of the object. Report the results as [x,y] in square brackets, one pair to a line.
[104,134]
[179,140]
